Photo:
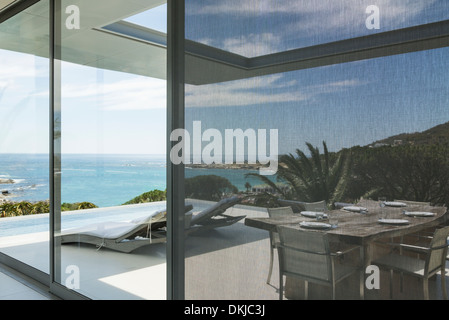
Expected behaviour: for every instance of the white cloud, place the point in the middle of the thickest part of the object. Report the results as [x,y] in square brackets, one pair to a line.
[3,85]
[334,86]
[17,65]
[253,45]
[262,90]
[240,93]
[337,16]
[251,7]
[308,22]
[133,94]
[391,9]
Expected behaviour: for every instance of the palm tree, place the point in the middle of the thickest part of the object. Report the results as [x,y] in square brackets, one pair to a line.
[312,178]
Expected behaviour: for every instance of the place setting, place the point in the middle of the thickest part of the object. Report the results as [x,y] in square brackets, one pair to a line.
[385,219]
[357,209]
[393,221]
[319,215]
[319,223]
[400,221]
[417,214]
[384,216]
[315,225]
[396,204]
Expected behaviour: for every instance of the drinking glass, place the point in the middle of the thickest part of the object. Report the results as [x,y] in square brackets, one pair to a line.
[333,220]
[382,201]
[319,215]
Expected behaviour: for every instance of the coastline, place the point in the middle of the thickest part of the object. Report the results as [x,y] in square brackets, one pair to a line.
[5,195]
[4,198]
[233,166]
[96,180]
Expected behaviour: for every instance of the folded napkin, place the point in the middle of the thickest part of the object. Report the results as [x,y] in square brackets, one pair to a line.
[393,221]
[354,209]
[312,214]
[315,225]
[395,204]
[419,214]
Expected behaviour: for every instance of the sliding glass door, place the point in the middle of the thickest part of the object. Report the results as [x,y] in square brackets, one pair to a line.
[291,102]
[351,107]
[97,70]
[109,143]
[24,147]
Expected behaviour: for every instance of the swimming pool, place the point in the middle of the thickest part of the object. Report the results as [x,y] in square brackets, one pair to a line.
[73,219]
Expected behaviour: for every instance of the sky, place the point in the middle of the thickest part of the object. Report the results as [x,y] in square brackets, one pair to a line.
[349,104]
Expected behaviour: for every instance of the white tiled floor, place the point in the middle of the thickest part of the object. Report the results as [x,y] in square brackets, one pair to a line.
[15,288]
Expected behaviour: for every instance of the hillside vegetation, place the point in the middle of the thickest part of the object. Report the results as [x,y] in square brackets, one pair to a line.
[410,166]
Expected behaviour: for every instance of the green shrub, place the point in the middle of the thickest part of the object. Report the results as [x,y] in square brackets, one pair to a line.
[23,208]
[150,196]
[77,206]
[208,187]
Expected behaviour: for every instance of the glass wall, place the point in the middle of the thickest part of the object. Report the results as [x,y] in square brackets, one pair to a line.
[273,27]
[329,132]
[106,150]
[333,114]
[109,145]
[24,144]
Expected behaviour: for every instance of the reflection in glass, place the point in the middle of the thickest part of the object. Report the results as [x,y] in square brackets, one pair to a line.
[273,26]
[111,241]
[24,160]
[347,133]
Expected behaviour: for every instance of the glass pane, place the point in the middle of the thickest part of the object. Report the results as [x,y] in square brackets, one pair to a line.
[111,242]
[276,26]
[24,114]
[5,3]
[339,137]
[151,19]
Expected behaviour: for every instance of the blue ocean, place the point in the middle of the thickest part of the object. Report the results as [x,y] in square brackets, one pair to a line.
[105,180]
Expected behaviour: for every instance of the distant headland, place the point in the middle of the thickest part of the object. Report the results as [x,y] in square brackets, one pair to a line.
[235,166]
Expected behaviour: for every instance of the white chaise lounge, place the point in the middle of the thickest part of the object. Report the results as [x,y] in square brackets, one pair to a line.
[128,236]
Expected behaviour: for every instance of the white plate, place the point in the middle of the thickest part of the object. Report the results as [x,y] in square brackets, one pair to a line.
[419,214]
[315,225]
[354,209]
[312,214]
[395,204]
[393,221]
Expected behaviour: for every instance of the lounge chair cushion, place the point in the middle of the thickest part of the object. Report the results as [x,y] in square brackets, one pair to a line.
[153,217]
[218,208]
[157,216]
[106,230]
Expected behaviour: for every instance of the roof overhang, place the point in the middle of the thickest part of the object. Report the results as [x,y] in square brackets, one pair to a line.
[106,41]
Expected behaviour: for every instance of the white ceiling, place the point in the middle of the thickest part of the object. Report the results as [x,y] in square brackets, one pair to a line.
[93,46]
[4,3]
[28,32]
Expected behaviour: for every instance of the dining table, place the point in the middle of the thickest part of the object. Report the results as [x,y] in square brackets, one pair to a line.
[364,223]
